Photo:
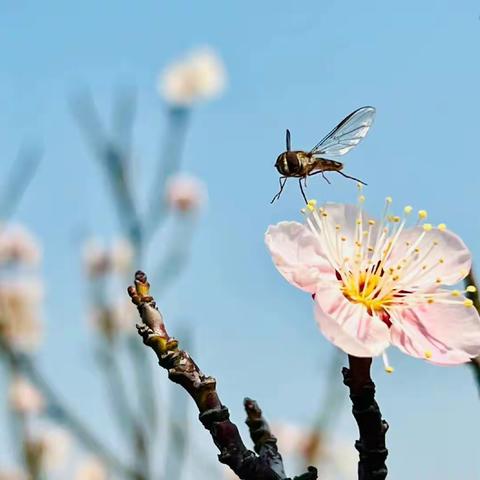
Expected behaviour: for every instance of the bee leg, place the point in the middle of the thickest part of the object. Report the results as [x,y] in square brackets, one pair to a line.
[301,189]
[323,175]
[281,181]
[351,178]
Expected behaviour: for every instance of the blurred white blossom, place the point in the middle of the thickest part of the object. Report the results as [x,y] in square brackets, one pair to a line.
[334,459]
[199,76]
[12,475]
[110,321]
[121,255]
[17,245]
[20,313]
[100,260]
[185,193]
[56,443]
[91,469]
[24,397]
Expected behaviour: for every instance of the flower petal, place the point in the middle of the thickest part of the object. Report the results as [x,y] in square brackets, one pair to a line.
[340,220]
[444,334]
[449,259]
[348,325]
[297,255]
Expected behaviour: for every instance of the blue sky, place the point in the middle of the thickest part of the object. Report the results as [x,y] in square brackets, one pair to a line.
[301,65]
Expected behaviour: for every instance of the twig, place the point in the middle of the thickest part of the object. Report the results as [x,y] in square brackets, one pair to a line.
[372,428]
[264,441]
[184,371]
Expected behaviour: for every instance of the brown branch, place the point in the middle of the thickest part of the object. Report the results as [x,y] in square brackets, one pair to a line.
[475,298]
[372,428]
[184,371]
[265,443]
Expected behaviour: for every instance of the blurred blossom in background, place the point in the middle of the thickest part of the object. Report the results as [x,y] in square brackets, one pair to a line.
[199,76]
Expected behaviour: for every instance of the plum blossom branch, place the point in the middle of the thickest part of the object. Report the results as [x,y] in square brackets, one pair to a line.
[202,388]
[372,428]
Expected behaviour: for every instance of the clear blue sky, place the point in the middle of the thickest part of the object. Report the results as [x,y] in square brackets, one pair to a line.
[301,65]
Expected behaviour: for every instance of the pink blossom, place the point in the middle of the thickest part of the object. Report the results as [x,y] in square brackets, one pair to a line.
[200,76]
[185,193]
[377,284]
[25,398]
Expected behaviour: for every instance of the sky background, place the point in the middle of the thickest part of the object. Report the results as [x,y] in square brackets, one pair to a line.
[302,65]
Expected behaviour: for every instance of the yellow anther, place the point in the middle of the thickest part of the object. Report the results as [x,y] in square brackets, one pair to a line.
[422,214]
[424,267]
[408,210]
[468,303]
[471,289]
[338,227]
[311,205]
[371,222]
[417,250]
[408,243]
[442,227]
[428,354]
[395,219]
[441,260]
[456,293]
[324,214]
[430,300]
[343,239]
[389,369]
[361,198]
[427,227]
[389,199]
[359,221]
[370,249]
[438,280]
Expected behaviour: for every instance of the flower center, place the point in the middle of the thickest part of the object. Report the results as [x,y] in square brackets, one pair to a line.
[363,288]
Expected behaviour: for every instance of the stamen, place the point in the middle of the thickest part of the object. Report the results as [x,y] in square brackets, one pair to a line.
[388,367]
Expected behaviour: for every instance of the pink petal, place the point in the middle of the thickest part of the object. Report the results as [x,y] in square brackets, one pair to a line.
[345,216]
[456,258]
[449,333]
[297,255]
[348,325]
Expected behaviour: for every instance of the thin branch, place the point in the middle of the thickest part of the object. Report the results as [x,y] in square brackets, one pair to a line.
[22,173]
[184,371]
[264,441]
[372,428]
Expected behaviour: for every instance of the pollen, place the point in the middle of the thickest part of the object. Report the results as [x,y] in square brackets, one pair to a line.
[408,210]
[389,369]
[442,227]
[428,354]
[371,222]
[468,303]
[456,293]
[471,289]
[427,227]
[422,214]
[311,205]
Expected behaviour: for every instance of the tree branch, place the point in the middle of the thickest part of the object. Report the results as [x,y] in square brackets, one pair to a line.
[184,371]
[372,428]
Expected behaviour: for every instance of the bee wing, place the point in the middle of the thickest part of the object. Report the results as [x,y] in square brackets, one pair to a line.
[347,134]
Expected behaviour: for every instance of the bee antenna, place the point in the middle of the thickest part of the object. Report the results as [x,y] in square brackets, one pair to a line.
[288,140]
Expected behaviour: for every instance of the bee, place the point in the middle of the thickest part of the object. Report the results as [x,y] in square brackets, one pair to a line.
[320,159]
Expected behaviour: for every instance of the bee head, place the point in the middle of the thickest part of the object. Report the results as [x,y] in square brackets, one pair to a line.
[287,164]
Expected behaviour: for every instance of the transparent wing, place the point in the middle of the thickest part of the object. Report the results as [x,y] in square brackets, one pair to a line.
[347,134]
